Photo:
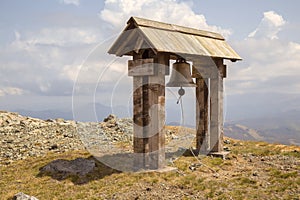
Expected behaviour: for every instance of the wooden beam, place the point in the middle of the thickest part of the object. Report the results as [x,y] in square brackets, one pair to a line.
[138,114]
[141,67]
[149,113]
[157,112]
[204,67]
[138,119]
[202,115]
[146,122]
[216,124]
[207,114]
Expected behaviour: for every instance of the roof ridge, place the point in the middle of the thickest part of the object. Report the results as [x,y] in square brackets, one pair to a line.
[173,27]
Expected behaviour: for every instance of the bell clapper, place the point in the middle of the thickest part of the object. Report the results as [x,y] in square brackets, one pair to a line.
[181,92]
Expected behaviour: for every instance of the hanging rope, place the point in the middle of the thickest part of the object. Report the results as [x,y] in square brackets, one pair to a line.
[181,92]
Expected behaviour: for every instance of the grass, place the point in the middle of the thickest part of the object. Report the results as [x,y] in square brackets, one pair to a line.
[295,154]
[214,179]
[246,181]
[279,174]
[256,148]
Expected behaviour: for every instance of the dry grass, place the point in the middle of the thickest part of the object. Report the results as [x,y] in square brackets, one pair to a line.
[215,179]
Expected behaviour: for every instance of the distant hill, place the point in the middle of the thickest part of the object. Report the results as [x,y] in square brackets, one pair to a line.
[46,114]
[241,132]
[88,112]
[281,128]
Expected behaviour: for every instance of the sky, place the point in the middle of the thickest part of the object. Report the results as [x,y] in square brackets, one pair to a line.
[53,53]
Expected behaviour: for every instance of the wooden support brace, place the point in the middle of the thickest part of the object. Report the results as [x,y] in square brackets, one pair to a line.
[204,67]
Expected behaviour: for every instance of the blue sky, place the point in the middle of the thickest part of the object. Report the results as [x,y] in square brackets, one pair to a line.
[45,44]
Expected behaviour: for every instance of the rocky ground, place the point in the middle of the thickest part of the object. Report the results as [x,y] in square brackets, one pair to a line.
[22,137]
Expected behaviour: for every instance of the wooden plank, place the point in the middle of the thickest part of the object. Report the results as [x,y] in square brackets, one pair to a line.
[163,59]
[154,119]
[199,113]
[138,114]
[207,113]
[141,120]
[157,112]
[217,120]
[138,119]
[146,121]
[157,120]
[141,67]
[202,116]
[161,125]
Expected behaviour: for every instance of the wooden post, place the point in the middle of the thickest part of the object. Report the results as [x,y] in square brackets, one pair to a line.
[202,115]
[202,72]
[157,112]
[138,116]
[149,110]
[216,124]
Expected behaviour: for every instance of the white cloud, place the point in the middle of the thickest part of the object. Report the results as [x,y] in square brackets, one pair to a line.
[11,91]
[54,47]
[269,26]
[40,62]
[116,12]
[70,72]
[59,37]
[74,2]
[269,65]
[34,60]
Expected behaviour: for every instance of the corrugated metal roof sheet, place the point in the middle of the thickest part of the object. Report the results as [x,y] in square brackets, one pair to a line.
[162,37]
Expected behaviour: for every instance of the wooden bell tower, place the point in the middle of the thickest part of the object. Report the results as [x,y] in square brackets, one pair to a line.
[152,45]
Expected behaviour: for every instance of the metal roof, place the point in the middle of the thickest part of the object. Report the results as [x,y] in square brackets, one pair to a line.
[162,37]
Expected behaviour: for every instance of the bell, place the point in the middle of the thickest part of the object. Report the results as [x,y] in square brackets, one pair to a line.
[181,75]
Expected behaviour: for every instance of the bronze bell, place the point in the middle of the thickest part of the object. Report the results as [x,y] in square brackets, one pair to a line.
[181,75]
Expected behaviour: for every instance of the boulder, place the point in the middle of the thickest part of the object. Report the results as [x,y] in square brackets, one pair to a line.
[65,168]
[22,196]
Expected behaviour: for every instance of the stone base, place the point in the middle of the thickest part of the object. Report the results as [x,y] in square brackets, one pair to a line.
[221,154]
[161,170]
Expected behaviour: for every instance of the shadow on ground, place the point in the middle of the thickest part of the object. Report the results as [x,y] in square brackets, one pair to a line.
[83,170]
[79,170]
